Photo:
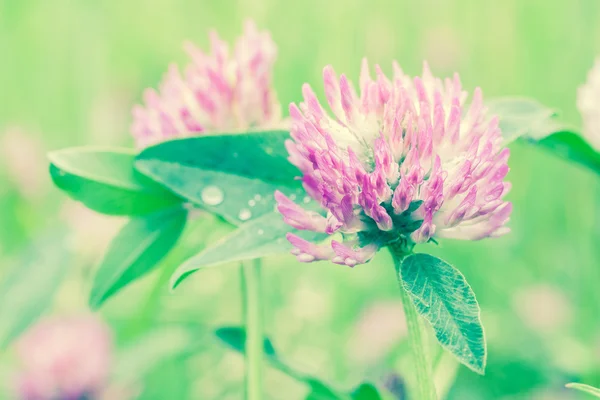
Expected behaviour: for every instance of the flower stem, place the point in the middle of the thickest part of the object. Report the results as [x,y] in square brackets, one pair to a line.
[253,314]
[416,335]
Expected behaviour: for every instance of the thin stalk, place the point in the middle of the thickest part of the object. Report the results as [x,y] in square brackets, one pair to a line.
[253,315]
[416,335]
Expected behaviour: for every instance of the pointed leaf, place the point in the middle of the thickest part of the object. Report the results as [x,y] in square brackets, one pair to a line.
[584,388]
[444,298]
[105,181]
[137,248]
[259,238]
[29,287]
[232,175]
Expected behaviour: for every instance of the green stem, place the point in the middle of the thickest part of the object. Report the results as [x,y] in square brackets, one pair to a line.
[253,314]
[416,334]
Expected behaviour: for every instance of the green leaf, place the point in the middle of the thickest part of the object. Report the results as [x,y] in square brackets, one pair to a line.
[255,239]
[105,181]
[519,116]
[538,125]
[572,147]
[444,298]
[366,391]
[584,388]
[136,249]
[29,287]
[235,338]
[199,230]
[231,175]
[319,391]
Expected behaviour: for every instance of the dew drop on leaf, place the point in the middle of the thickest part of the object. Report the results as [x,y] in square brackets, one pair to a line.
[292,197]
[306,199]
[251,203]
[244,214]
[212,195]
[260,232]
[257,197]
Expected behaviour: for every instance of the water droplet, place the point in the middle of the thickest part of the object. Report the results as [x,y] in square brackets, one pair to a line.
[212,195]
[244,214]
[235,155]
[306,199]
[269,150]
[292,197]
[260,232]
[257,197]
[251,203]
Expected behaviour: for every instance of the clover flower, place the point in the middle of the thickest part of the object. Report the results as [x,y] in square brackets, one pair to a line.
[588,102]
[64,358]
[403,161]
[217,92]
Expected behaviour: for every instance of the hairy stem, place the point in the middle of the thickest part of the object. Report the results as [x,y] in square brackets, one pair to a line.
[253,314]
[416,334]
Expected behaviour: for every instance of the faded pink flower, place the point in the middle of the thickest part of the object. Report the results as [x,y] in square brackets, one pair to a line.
[64,358]
[217,92]
[404,160]
[543,307]
[588,102]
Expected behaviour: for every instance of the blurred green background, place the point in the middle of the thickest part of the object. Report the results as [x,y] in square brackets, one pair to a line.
[71,70]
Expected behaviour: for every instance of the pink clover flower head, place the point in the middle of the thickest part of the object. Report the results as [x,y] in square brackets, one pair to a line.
[401,160]
[588,103]
[64,358]
[218,91]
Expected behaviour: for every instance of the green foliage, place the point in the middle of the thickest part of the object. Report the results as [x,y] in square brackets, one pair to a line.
[366,391]
[139,247]
[71,88]
[585,388]
[235,338]
[537,124]
[232,175]
[444,298]
[105,181]
[572,147]
[520,116]
[261,237]
[29,287]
